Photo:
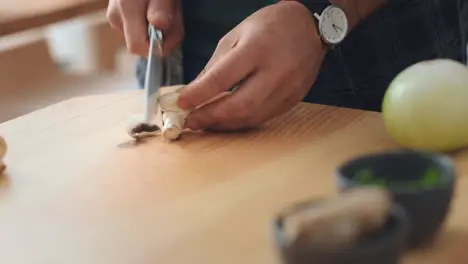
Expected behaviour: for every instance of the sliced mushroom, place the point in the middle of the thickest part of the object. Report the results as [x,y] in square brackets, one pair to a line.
[138,129]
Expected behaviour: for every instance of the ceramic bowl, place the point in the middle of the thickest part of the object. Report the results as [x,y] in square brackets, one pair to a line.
[385,246]
[421,182]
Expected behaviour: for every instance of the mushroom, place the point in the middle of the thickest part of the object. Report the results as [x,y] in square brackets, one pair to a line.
[138,129]
[340,221]
[173,117]
[3,150]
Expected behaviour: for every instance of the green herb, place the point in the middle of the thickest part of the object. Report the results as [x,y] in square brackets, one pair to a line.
[365,176]
[430,178]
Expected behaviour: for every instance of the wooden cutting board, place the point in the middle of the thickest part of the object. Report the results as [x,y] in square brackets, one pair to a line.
[77,191]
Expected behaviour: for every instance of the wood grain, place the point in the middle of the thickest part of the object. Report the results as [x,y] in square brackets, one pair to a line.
[19,15]
[76,191]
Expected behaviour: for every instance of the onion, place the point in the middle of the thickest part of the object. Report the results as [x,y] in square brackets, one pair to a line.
[426,106]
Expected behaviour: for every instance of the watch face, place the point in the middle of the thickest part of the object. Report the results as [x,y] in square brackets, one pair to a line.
[333,25]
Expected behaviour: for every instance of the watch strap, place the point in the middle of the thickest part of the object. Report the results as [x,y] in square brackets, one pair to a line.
[315,6]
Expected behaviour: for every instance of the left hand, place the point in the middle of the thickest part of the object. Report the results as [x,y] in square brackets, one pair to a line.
[276,53]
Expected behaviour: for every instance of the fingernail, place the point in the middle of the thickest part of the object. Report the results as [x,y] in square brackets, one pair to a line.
[182,103]
[161,20]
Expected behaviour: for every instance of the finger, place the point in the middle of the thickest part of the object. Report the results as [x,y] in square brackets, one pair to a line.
[114,17]
[171,42]
[227,43]
[224,45]
[175,34]
[135,26]
[275,105]
[238,110]
[229,70]
[161,13]
[202,117]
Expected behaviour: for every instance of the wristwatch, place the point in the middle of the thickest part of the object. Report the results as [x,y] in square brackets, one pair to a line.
[332,22]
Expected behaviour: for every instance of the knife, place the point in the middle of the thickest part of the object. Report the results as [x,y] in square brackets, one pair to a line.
[160,71]
[155,70]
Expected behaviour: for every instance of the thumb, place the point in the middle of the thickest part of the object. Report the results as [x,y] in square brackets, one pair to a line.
[161,13]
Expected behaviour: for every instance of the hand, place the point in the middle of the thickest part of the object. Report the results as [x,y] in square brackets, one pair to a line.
[276,53]
[131,17]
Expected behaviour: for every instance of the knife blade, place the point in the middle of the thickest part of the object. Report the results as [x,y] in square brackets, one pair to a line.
[154,73]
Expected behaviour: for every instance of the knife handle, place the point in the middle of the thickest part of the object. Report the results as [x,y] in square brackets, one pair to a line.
[156,36]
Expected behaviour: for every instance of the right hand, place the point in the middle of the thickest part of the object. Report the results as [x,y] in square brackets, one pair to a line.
[131,18]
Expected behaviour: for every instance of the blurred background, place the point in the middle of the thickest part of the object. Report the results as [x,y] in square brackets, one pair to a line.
[52,50]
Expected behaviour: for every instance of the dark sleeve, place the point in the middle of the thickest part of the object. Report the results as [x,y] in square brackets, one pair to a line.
[463,18]
[402,32]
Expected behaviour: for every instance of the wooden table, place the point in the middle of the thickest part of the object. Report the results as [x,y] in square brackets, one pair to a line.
[77,192]
[19,15]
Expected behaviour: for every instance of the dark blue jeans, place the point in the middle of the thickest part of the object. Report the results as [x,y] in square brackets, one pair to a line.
[357,73]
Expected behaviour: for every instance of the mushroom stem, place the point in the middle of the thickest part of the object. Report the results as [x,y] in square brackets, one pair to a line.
[173,117]
[173,125]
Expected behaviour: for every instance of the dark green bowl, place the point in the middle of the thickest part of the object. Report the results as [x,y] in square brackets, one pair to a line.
[385,246]
[421,182]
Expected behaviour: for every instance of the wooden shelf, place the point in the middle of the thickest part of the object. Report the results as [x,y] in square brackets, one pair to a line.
[20,15]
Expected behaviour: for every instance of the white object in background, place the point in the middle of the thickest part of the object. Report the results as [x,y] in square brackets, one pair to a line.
[3,150]
[73,43]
